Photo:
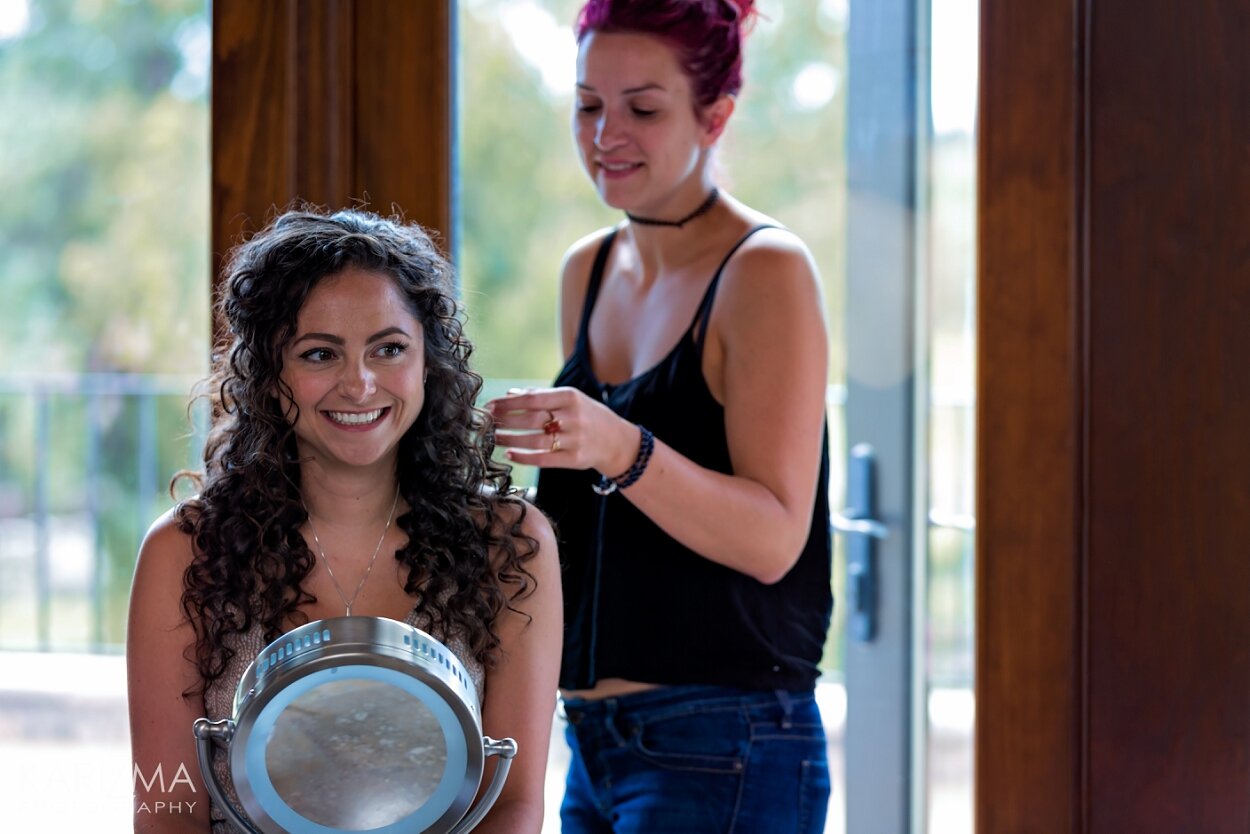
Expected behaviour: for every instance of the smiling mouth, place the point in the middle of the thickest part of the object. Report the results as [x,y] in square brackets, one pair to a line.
[357,418]
[619,167]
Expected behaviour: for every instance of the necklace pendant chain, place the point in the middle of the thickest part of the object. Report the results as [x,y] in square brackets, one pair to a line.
[347,603]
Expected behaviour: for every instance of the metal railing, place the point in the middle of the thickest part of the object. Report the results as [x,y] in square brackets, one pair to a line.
[36,435]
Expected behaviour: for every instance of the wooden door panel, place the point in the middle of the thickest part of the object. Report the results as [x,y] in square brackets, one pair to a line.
[1114,395]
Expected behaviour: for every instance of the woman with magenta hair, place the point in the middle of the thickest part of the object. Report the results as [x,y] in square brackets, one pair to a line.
[684,454]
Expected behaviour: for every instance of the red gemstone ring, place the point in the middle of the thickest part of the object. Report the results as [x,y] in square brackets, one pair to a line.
[552,426]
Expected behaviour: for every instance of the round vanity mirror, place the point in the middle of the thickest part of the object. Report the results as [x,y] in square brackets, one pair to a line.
[354,724]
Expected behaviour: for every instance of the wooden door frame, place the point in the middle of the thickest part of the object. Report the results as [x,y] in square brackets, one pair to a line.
[1113,593]
[1029,428]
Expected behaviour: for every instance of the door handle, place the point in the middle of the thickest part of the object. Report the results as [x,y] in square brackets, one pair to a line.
[860,526]
[862,530]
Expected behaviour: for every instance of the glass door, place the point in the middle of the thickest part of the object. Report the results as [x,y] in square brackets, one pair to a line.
[908,523]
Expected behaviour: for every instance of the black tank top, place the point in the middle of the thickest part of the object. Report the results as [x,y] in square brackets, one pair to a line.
[637,604]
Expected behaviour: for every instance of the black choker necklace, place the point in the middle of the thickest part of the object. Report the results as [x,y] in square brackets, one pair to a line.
[703,209]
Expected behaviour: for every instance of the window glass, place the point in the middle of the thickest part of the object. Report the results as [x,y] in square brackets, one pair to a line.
[951,266]
[104,327]
[104,262]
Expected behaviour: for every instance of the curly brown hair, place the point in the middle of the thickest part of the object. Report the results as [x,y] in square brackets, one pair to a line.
[250,559]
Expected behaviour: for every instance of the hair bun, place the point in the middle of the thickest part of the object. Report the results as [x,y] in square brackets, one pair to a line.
[744,12]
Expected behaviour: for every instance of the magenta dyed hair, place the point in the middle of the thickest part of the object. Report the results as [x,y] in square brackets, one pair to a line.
[706,33]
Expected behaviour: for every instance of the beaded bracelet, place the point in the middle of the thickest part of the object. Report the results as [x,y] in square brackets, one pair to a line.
[607,486]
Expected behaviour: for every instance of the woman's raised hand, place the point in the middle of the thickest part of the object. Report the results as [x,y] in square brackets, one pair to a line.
[563,428]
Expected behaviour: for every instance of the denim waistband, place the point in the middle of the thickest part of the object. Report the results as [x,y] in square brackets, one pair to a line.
[676,699]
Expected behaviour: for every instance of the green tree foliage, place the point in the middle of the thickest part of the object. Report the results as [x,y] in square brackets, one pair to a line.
[104,268]
[104,163]
[523,198]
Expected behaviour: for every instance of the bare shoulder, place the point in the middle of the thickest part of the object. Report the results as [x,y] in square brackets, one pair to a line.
[167,528]
[534,526]
[773,267]
[775,248]
[166,550]
[534,586]
[537,527]
[579,257]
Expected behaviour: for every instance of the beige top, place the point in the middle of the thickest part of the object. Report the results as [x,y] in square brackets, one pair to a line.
[219,698]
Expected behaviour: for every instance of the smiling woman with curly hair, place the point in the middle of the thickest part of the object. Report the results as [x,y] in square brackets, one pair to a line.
[344,429]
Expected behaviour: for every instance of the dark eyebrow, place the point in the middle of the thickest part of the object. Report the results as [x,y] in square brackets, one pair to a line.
[390,331]
[318,337]
[337,340]
[631,91]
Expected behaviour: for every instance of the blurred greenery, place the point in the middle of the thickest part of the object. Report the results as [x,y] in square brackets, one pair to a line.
[103,239]
[104,266]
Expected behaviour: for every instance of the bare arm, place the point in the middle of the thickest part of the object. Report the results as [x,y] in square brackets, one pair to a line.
[521,690]
[769,325]
[168,791]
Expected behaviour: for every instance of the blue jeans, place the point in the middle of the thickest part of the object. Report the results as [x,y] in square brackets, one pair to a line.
[696,760]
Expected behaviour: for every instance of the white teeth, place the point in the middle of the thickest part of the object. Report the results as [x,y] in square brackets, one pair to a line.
[355,419]
[624,166]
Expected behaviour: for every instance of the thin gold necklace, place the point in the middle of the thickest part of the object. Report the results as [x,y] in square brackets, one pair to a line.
[348,602]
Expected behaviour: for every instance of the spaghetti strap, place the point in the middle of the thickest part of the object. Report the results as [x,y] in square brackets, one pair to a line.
[592,290]
[698,327]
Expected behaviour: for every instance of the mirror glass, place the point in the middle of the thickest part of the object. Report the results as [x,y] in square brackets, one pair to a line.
[356,754]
